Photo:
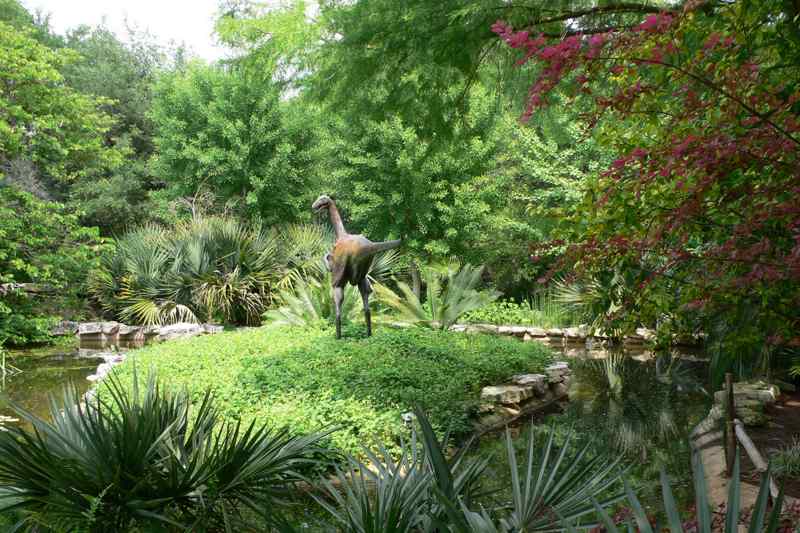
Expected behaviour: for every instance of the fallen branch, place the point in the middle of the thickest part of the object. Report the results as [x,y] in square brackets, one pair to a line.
[755,456]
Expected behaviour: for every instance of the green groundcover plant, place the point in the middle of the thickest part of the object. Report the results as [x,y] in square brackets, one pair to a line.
[305,379]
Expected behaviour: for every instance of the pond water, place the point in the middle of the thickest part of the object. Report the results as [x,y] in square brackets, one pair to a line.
[642,410]
[41,372]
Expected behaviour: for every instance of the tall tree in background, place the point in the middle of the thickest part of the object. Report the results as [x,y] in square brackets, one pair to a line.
[123,74]
[50,134]
[227,131]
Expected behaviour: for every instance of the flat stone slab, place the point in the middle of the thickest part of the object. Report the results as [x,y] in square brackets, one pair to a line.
[537,381]
[506,394]
[98,328]
[557,371]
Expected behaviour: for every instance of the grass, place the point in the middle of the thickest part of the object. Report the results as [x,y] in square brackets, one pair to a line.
[304,379]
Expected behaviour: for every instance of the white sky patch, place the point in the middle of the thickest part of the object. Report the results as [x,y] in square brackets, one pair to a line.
[190,22]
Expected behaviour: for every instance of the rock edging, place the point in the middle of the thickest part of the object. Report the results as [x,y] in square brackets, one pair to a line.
[524,395]
[111,332]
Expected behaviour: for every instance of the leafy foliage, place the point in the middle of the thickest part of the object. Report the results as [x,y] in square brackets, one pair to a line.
[45,123]
[305,379]
[696,212]
[226,130]
[451,291]
[211,268]
[427,490]
[43,248]
[541,310]
[310,300]
[141,460]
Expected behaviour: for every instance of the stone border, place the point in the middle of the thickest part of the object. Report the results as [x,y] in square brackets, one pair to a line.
[116,332]
[525,395]
[564,336]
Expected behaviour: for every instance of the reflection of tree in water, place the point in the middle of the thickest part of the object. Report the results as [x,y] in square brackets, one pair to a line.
[631,405]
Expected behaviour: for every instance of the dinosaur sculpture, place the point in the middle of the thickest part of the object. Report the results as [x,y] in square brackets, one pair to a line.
[349,261]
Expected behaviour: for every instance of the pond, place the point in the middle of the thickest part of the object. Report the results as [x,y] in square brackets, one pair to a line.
[39,373]
[640,410]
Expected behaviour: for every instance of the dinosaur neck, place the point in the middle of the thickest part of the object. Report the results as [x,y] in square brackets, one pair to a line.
[336,220]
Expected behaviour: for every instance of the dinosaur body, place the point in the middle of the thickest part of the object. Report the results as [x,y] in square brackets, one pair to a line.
[349,261]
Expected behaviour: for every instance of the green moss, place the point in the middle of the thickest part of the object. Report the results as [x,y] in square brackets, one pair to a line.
[307,380]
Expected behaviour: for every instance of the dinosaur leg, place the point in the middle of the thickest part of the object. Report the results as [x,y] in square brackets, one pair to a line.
[365,288]
[338,297]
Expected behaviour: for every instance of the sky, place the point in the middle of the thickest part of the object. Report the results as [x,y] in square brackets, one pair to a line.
[187,21]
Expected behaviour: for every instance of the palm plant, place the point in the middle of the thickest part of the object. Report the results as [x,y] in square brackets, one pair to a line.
[205,268]
[140,460]
[426,491]
[310,301]
[451,291]
[703,522]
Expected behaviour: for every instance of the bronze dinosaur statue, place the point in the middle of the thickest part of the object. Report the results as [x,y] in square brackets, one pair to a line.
[349,261]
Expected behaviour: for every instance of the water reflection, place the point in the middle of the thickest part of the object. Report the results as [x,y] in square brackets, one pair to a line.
[635,406]
[44,372]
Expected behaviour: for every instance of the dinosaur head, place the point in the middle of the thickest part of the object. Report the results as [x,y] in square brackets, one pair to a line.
[323,202]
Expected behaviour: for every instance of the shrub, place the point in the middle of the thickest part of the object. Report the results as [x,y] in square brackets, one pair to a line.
[44,250]
[541,310]
[451,291]
[786,461]
[309,301]
[207,268]
[425,490]
[136,462]
[305,379]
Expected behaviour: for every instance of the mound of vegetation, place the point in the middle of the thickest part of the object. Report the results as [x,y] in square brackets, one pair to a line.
[306,380]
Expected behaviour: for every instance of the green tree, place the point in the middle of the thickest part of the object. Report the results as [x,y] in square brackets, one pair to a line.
[44,251]
[49,133]
[122,74]
[227,131]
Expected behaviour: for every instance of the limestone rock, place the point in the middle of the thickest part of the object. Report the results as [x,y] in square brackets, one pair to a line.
[506,394]
[97,329]
[512,330]
[752,391]
[557,371]
[130,333]
[555,332]
[500,415]
[64,328]
[537,381]
[537,332]
[579,332]
[180,330]
[559,389]
[212,328]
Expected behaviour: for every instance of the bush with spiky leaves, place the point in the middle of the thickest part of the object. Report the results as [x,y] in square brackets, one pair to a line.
[142,461]
[207,268]
[308,300]
[451,291]
[425,490]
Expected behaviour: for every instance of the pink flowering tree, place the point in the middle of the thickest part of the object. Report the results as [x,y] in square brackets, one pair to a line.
[700,213]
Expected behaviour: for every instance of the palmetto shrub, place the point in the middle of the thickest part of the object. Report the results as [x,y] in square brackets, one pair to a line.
[206,268]
[140,461]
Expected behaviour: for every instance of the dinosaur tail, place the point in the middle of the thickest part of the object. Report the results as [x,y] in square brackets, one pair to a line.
[375,247]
